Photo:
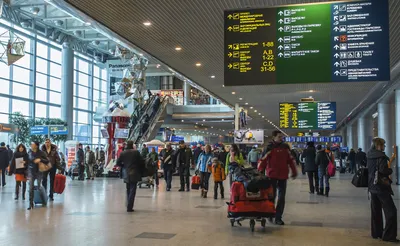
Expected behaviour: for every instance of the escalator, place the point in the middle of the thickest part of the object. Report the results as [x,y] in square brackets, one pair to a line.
[149,124]
[139,115]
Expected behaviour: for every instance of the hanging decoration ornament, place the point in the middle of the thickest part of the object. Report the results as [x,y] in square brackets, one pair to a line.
[12,47]
[123,53]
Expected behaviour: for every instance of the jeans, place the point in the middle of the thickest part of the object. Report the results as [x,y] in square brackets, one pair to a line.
[89,171]
[383,201]
[221,186]
[313,181]
[130,194]
[52,174]
[32,179]
[17,185]
[168,175]
[323,179]
[204,180]
[353,167]
[184,173]
[3,176]
[279,185]
[81,172]
[254,164]
[155,176]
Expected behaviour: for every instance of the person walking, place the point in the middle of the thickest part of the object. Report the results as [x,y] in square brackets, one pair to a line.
[4,162]
[102,157]
[36,156]
[275,164]
[80,159]
[219,176]
[352,161]
[154,157]
[145,151]
[20,172]
[322,161]
[183,159]
[132,165]
[222,155]
[234,155]
[52,154]
[10,153]
[379,185]
[90,160]
[361,159]
[310,167]
[252,157]
[204,167]
[196,153]
[166,164]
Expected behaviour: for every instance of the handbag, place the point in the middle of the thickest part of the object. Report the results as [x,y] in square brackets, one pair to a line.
[44,167]
[331,169]
[379,180]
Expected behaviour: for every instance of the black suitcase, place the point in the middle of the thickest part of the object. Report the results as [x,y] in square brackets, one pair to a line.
[342,170]
[360,178]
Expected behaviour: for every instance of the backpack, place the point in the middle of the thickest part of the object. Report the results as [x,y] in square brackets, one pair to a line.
[331,169]
[150,168]
[360,178]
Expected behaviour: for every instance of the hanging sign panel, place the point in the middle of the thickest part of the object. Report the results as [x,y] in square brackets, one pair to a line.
[312,43]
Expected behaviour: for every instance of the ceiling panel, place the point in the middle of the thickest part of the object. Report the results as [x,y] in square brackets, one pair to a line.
[198,27]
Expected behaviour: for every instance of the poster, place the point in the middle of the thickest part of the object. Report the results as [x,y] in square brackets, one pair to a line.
[115,69]
[249,136]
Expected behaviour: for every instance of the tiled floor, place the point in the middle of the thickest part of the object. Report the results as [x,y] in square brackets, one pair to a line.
[93,213]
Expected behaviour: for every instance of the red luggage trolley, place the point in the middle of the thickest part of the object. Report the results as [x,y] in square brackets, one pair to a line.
[252,206]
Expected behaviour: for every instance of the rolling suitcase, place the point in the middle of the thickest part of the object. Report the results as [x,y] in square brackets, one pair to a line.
[195,182]
[59,183]
[39,195]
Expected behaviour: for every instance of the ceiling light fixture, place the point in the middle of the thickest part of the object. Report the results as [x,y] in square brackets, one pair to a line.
[88,24]
[246,104]
[35,10]
[204,120]
[255,110]
[212,76]
[251,107]
[311,91]
[198,64]
[223,85]
[158,65]
[147,23]
[240,98]
[233,93]
[141,54]
[259,113]
[183,120]
[222,120]
[178,48]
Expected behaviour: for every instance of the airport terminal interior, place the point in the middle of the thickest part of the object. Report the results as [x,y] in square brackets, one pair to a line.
[160,101]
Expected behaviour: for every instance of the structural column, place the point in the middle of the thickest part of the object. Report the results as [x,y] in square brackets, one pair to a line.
[351,137]
[237,116]
[67,82]
[364,133]
[386,121]
[186,93]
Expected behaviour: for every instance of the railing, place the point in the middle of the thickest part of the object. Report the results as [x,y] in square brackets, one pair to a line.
[135,128]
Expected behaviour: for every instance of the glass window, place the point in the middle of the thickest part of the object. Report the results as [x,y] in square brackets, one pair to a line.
[21,90]
[83,117]
[75,86]
[41,95]
[20,106]
[83,79]
[104,86]
[55,55]
[74,104]
[4,118]
[96,131]
[41,50]
[96,71]
[4,86]
[55,70]
[83,91]
[27,45]
[55,97]
[55,84]
[96,83]
[41,80]
[4,71]
[21,74]
[104,74]
[83,66]
[4,104]
[41,65]
[25,61]
[103,96]
[55,112]
[83,104]
[40,110]
[96,95]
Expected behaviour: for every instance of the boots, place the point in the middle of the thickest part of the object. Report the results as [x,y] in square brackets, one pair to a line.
[202,193]
[17,190]
[30,205]
[320,192]
[327,191]
[205,194]
[23,190]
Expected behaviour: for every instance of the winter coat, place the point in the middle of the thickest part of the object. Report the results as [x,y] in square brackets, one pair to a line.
[352,156]
[378,161]
[80,157]
[102,155]
[322,160]
[252,156]
[153,156]
[90,158]
[10,155]
[278,168]
[238,159]
[196,153]
[361,158]
[309,156]
[218,172]
[132,165]
[144,152]
[166,157]
[204,162]
[4,161]
[33,168]
[188,158]
[53,156]
[13,168]
[222,156]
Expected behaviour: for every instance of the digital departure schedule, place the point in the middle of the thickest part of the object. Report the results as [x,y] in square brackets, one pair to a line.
[307,115]
[312,43]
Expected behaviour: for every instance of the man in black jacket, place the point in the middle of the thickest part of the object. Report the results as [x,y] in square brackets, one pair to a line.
[54,158]
[379,185]
[4,162]
[132,165]
[166,156]
[183,158]
[80,159]
[310,167]
[361,159]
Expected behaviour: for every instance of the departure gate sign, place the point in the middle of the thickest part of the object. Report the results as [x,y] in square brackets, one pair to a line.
[310,43]
[307,115]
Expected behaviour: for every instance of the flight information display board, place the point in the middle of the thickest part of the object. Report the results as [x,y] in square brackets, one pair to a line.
[307,115]
[312,43]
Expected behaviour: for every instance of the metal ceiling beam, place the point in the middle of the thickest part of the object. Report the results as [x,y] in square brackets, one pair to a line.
[57,18]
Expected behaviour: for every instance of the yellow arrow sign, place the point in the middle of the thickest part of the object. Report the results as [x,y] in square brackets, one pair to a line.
[230,66]
[230,54]
[230,16]
[229,46]
[230,28]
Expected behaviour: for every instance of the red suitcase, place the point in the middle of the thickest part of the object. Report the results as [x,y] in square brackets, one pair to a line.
[195,182]
[59,183]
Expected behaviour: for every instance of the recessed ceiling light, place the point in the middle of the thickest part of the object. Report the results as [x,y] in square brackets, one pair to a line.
[223,85]
[251,107]
[212,127]
[178,48]
[212,76]
[183,120]
[141,54]
[311,91]
[158,65]
[198,64]
[147,23]
[259,113]
[246,104]
[202,124]
[240,98]
[204,120]
[197,123]
[255,110]
[222,120]
[233,93]
[263,116]
[88,24]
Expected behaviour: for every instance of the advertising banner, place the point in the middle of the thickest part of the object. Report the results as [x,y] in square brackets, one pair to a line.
[115,69]
[248,136]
